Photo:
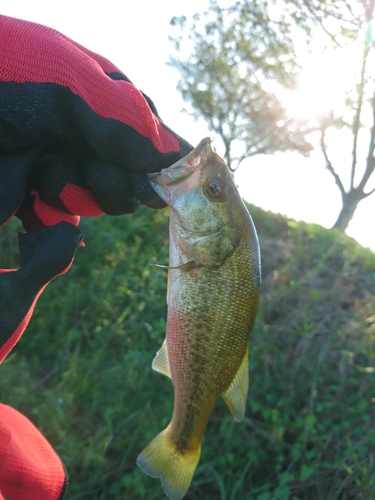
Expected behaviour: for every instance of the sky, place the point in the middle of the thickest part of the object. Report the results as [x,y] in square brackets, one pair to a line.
[134,36]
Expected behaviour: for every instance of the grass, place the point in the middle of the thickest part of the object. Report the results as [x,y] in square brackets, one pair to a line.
[82,371]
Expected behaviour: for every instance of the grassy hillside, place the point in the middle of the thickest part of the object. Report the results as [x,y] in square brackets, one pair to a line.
[82,371]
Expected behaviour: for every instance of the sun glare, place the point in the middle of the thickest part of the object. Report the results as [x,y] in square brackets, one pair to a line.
[323,82]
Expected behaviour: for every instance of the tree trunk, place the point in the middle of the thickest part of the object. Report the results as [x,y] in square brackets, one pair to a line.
[349,204]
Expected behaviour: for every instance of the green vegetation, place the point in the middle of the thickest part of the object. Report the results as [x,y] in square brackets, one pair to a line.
[82,371]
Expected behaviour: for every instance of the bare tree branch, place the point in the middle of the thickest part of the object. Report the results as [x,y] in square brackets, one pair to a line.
[357,122]
[369,9]
[329,165]
[249,154]
[369,193]
[370,162]
[319,21]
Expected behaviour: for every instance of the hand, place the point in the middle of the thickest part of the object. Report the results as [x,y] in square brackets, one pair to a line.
[44,255]
[76,136]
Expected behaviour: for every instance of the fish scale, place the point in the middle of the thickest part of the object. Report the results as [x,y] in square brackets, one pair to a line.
[219,350]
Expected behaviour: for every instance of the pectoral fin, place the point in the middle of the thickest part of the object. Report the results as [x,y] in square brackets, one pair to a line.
[236,394]
[188,266]
[161,362]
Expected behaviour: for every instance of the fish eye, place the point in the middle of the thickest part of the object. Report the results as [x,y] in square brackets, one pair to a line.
[214,190]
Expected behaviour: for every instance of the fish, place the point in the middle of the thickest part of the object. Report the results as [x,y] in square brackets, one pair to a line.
[214,284]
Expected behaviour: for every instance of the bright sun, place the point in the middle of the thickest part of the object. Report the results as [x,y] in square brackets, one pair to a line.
[323,82]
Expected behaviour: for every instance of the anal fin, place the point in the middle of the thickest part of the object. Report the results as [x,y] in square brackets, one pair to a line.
[236,394]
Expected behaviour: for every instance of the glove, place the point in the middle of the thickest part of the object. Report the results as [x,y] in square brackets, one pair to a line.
[29,468]
[44,255]
[76,136]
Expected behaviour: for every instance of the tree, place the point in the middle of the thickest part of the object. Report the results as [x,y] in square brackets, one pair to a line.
[238,57]
[359,106]
[243,54]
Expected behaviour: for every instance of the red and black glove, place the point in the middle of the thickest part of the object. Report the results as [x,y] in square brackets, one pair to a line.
[76,138]
[44,255]
[29,468]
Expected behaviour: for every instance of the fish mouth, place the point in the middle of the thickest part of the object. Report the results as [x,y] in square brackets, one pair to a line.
[170,184]
[183,175]
[169,177]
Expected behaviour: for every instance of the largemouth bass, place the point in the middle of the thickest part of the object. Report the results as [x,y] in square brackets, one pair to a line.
[213,295]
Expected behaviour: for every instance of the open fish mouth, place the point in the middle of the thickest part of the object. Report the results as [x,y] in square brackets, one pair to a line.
[182,176]
[170,185]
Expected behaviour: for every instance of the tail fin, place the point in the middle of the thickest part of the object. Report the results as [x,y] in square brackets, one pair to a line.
[175,469]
